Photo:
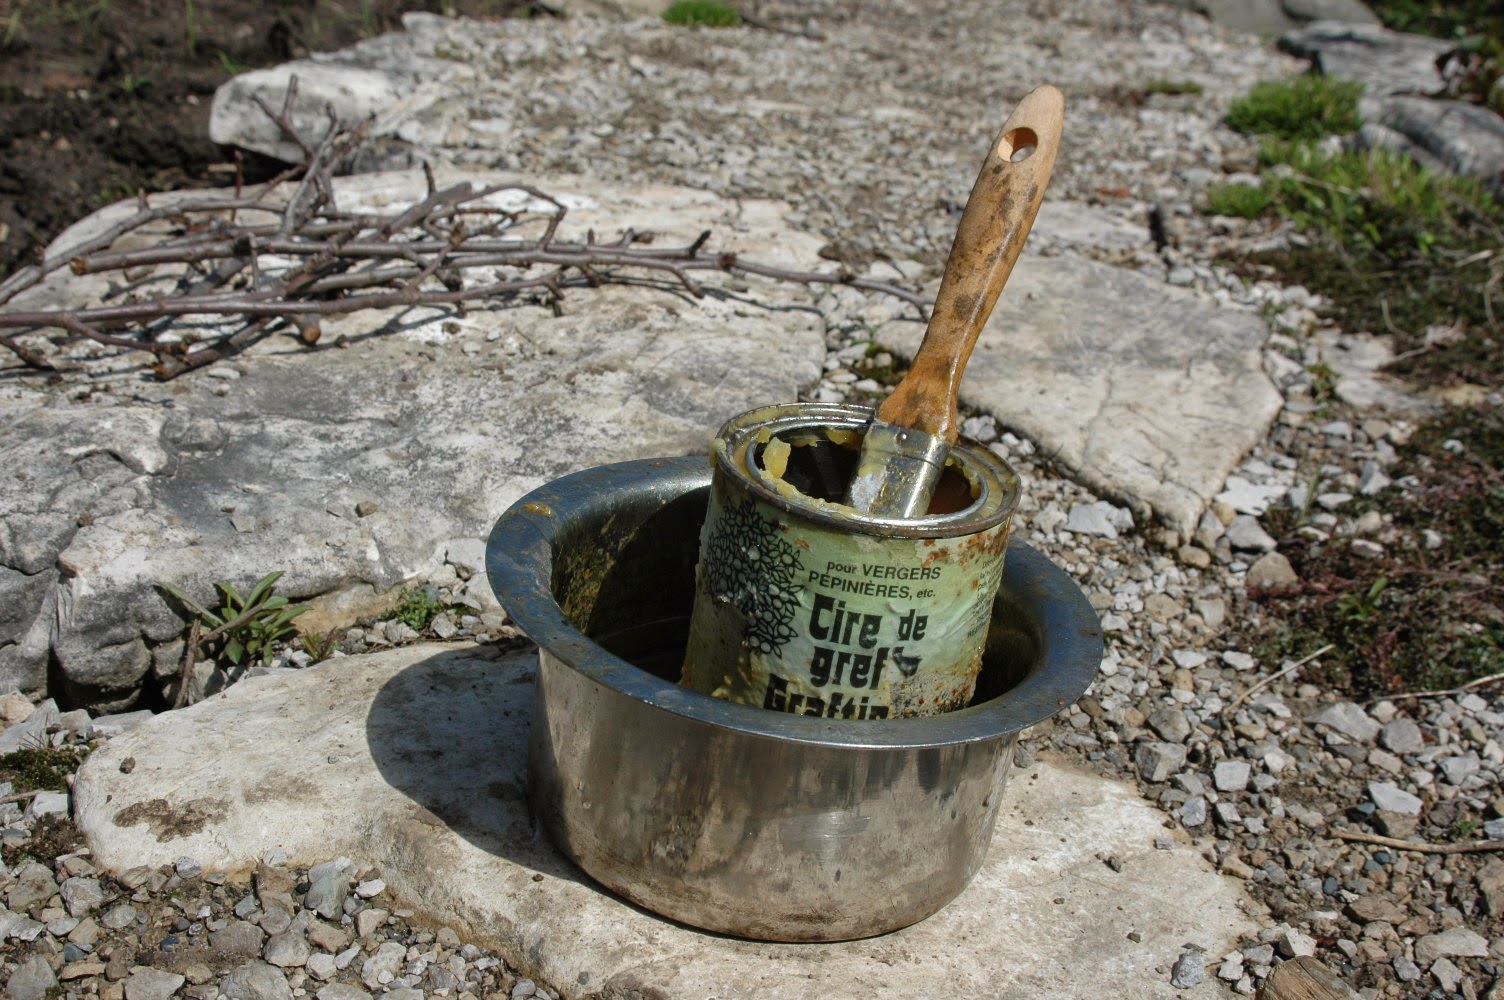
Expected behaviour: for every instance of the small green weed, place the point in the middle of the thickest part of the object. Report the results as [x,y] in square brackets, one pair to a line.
[111,193]
[1305,107]
[319,646]
[1372,196]
[1403,273]
[1360,608]
[880,365]
[51,838]
[702,13]
[11,30]
[417,608]
[190,25]
[1438,18]
[230,65]
[1323,382]
[133,85]
[242,628]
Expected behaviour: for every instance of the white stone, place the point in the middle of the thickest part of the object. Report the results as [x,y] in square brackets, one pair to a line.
[1246,535]
[1456,770]
[1447,974]
[1188,659]
[1462,942]
[48,804]
[1078,224]
[146,983]
[1373,479]
[1249,498]
[1271,570]
[1402,735]
[354,92]
[1293,943]
[321,966]
[1054,824]
[1385,61]
[1099,518]
[1238,660]
[1350,720]
[371,888]
[1390,797]
[113,725]
[1231,775]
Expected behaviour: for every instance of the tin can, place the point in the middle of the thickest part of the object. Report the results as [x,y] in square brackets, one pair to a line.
[808,606]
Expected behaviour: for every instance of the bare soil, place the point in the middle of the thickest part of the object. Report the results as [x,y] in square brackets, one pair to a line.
[104,98]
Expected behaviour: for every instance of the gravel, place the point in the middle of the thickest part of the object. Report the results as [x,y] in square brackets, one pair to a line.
[155,934]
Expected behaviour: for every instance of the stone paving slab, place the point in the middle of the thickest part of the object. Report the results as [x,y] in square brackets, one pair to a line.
[415,760]
[354,468]
[1146,393]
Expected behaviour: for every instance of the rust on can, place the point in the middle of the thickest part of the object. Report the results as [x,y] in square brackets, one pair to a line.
[806,605]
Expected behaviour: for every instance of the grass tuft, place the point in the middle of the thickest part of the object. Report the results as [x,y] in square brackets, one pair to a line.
[1244,201]
[1396,248]
[1305,107]
[702,13]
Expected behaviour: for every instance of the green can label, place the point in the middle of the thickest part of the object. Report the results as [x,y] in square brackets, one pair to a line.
[816,617]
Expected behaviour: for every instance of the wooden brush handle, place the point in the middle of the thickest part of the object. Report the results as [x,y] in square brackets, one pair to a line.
[990,237]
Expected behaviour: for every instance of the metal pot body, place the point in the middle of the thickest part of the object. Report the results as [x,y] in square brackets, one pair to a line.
[729,817]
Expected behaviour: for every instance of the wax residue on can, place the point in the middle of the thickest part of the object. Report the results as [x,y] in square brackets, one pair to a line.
[805,605]
[775,457]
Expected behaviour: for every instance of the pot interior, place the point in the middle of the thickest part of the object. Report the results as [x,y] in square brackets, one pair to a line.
[627,582]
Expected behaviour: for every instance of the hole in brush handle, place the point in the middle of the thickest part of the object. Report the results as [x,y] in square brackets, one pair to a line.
[1021,143]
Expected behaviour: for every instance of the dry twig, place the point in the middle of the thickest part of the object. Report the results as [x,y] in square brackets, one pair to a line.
[1476,682]
[1470,847]
[1276,676]
[300,258]
[21,796]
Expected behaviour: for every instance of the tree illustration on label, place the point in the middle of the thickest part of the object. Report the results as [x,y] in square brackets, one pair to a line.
[750,565]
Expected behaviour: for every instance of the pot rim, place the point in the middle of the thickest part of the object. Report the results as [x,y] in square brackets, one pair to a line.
[519,566]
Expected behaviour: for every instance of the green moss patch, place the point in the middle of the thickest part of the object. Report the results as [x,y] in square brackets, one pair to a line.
[702,13]
[31,769]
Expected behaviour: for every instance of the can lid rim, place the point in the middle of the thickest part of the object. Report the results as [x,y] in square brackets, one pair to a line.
[739,435]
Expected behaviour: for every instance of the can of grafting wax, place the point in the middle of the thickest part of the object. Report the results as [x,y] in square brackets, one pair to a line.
[806,605]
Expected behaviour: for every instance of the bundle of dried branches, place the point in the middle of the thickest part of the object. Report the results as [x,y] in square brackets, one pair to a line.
[284,255]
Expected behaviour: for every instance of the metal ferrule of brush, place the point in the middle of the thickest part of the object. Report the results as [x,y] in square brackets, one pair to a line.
[897,472]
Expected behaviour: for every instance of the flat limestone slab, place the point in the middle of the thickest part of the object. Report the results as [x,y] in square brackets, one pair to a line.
[356,468]
[415,760]
[1147,393]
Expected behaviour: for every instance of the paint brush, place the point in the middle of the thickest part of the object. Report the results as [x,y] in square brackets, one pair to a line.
[904,450]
